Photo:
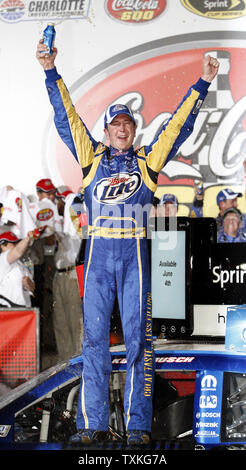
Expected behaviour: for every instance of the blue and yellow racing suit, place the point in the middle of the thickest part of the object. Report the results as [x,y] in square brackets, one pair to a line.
[118,190]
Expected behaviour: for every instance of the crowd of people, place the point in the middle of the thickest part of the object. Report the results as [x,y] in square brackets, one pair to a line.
[41,241]
[230,221]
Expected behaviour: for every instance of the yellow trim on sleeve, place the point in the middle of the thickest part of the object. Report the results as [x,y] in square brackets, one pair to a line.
[144,172]
[82,143]
[88,179]
[162,147]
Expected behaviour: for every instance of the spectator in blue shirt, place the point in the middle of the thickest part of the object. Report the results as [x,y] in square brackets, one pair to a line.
[230,230]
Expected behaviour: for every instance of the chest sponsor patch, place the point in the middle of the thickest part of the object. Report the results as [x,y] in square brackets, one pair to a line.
[117,188]
[44,214]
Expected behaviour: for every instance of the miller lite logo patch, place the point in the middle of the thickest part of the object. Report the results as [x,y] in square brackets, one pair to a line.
[45,214]
[117,188]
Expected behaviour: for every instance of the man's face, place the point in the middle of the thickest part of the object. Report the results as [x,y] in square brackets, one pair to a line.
[231,224]
[121,132]
[227,204]
[52,196]
[43,195]
[167,210]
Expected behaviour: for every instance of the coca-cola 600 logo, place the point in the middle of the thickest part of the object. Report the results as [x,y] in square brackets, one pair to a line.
[152,81]
[135,11]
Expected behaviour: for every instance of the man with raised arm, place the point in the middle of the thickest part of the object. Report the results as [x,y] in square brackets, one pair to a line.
[119,183]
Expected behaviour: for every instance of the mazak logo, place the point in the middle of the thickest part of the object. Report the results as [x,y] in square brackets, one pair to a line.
[118,188]
[217,9]
[45,214]
[135,11]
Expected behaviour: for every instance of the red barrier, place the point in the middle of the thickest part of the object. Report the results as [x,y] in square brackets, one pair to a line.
[19,345]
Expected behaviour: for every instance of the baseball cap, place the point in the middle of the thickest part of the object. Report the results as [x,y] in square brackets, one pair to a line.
[63,192]
[168,198]
[227,193]
[116,109]
[8,237]
[45,185]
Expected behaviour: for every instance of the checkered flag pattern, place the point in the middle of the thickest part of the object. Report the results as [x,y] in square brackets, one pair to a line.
[219,94]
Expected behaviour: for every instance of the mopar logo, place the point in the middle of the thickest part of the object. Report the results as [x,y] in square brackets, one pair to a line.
[117,188]
[209,382]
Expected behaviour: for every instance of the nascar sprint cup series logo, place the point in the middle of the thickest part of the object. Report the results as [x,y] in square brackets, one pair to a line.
[217,9]
[134,11]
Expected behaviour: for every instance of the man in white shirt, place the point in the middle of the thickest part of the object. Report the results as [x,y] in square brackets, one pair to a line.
[16,283]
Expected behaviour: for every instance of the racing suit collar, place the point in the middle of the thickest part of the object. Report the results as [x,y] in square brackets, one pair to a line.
[115,152]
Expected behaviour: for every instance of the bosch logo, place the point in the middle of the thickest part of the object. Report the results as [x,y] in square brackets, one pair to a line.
[174,359]
[117,189]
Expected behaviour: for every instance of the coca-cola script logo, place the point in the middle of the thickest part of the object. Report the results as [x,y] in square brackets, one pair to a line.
[153,86]
[135,11]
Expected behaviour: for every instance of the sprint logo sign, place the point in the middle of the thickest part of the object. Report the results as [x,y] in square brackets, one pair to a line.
[216,9]
[207,406]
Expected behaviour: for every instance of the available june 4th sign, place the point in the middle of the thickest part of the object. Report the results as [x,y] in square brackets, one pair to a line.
[13,11]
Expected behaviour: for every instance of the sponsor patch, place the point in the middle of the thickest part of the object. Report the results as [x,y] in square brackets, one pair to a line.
[44,214]
[117,188]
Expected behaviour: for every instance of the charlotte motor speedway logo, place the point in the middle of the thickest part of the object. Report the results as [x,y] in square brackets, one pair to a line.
[13,11]
[152,81]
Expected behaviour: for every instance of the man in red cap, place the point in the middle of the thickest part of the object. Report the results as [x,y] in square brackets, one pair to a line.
[45,188]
